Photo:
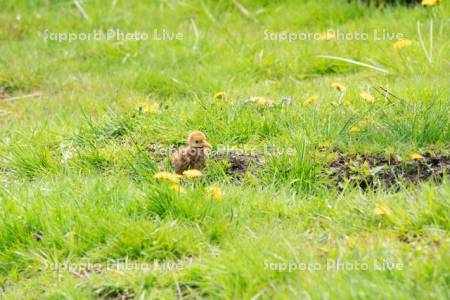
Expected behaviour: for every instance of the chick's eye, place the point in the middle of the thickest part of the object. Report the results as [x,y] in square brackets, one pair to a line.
[197,142]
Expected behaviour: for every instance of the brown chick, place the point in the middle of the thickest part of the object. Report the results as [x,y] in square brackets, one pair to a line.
[194,156]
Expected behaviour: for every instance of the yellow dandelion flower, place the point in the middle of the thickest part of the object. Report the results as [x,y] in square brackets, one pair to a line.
[328,36]
[367,96]
[400,44]
[219,96]
[416,156]
[147,107]
[354,129]
[338,86]
[175,178]
[381,210]
[262,102]
[192,174]
[311,100]
[430,2]
[325,145]
[214,193]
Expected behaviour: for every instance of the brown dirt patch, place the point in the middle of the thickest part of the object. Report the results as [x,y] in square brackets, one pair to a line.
[238,163]
[375,170]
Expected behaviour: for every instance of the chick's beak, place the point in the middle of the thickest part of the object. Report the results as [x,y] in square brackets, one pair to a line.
[206,144]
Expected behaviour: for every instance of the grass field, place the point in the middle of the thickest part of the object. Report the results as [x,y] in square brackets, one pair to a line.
[82,216]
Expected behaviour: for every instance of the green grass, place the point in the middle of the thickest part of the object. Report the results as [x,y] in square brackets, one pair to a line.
[77,186]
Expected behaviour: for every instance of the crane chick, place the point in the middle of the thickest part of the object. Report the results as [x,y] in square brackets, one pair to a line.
[194,156]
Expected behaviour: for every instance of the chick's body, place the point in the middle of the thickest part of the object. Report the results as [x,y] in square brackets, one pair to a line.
[194,156]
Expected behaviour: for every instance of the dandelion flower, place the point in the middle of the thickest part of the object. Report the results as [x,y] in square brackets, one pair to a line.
[311,100]
[367,96]
[416,156]
[192,174]
[430,2]
[175,178]
[215,193]
[354,129]
[327,36]
[219,96]
[338,86]
[325,145]
[381,210]
[262,102]
[400,44]
[147,107]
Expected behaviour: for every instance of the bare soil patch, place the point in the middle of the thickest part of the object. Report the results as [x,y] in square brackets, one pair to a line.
[238,163]
[374,170]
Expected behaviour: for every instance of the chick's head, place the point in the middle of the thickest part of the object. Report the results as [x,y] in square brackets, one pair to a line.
[197,139]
